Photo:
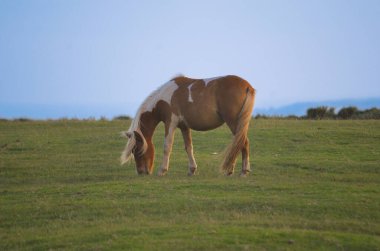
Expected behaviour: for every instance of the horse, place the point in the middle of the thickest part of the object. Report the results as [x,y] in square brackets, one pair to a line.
[192,104]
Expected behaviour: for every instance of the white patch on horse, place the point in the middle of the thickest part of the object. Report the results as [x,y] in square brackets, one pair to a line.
[190,97]
[164,93]
[208,80]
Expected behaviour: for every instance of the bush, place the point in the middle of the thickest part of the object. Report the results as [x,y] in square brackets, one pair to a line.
[373,113]
[261,116]
[23,119]
[321,112]
[122,117]
[348,112]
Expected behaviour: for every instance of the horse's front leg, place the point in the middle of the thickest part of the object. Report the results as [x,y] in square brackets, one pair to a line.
[168,143]
[186,133]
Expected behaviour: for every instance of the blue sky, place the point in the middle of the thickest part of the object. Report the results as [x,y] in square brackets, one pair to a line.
[111,54]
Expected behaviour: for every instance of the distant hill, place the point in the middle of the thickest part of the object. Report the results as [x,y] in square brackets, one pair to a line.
[300,108]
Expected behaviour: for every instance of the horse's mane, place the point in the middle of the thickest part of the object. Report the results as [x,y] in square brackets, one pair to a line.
[127,155]
[135,127]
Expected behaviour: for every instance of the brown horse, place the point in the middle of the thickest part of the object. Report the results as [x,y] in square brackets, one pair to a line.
[198,104]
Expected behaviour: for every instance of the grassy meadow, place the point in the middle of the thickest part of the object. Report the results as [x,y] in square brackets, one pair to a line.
[315,185]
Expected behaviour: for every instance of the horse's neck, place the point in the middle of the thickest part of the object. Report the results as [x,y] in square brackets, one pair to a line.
[148,124]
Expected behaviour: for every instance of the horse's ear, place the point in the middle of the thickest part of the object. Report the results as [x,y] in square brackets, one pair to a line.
[126,134]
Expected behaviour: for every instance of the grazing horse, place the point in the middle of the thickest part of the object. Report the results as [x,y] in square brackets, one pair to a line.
[198,104]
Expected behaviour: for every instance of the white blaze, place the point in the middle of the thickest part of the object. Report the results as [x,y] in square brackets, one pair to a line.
[190,97]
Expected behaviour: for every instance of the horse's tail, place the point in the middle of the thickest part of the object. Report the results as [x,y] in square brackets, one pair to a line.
[240,134]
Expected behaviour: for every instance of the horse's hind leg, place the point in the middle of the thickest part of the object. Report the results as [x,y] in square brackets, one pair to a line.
[186,133]
[232,124]
[245,159]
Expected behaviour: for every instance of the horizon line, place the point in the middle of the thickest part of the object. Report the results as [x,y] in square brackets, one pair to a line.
[91,110]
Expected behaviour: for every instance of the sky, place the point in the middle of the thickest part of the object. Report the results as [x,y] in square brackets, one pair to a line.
[86,57]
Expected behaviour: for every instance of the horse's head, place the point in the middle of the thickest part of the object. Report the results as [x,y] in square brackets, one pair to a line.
[142,151]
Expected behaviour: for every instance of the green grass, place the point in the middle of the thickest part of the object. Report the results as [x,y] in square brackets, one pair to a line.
[315,186]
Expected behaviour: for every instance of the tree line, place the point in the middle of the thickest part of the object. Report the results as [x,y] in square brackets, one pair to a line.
[325,112]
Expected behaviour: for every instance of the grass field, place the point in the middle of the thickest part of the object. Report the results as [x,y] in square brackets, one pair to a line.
[315,186]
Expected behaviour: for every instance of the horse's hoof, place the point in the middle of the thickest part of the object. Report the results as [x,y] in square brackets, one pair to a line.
[229,173]
[244,173]
[191,171]
[162,172]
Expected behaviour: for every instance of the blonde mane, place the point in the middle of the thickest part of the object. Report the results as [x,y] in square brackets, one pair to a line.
[164,93]
[127,155]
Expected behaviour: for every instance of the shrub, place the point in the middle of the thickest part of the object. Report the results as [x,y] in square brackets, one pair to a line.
[122,117]
[348,112]
[261,116]
[321,112]
[373,113]
[23,119]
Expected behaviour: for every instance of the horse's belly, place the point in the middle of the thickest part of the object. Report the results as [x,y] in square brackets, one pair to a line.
[199,108]
[203,121]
